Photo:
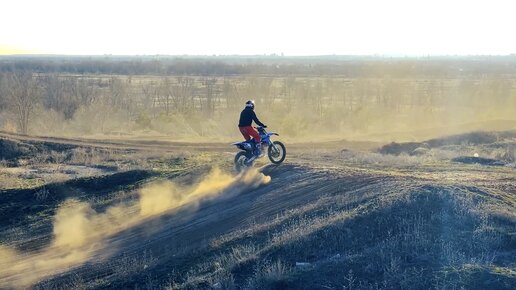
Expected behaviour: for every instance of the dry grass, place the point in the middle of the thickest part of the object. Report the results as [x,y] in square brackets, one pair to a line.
[48,164]
[413,237]
[379,230]
[269,275]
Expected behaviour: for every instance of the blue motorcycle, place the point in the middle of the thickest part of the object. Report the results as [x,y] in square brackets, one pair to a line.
[275,150]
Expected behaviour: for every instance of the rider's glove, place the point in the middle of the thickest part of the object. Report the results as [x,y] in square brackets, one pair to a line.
[264,126]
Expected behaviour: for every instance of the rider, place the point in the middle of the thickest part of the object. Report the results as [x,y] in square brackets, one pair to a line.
[247,116]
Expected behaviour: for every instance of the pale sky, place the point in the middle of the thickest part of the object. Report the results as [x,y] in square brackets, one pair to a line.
[223,27]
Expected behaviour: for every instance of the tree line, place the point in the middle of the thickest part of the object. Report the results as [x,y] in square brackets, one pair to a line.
[205,105]
[264,65]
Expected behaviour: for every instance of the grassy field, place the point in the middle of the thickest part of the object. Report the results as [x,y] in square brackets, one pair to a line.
[115,214]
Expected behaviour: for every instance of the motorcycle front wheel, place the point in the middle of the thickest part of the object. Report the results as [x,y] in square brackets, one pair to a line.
[276,152]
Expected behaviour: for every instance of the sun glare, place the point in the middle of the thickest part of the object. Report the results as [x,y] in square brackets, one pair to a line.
[13,50]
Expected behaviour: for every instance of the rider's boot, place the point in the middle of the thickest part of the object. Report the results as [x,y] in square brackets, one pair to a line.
[256,154]
[250,160]
[258,150]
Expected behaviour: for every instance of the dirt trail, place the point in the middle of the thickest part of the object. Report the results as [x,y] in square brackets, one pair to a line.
[189,228]
[121,144]
[180,235]
[171,146]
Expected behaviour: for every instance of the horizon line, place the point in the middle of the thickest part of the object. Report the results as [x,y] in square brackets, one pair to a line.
[256,55]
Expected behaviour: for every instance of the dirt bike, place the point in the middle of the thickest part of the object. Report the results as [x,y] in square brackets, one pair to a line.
[275,150]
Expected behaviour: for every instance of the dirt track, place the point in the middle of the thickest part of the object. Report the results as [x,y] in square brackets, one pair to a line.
[178,240]
[175,236]
[171,146]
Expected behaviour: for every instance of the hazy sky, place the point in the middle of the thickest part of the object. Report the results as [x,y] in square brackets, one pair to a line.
[388,27]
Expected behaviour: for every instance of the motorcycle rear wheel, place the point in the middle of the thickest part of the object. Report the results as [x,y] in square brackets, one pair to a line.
[240,160]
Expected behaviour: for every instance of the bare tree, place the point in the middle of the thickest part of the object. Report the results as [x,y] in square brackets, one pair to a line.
[66,94]
[289,85]
[165,94]
[83,90]
[53,98]
[23,93]
[210,94]
[149,97]
[3,92]
[258,88]
[232,93]
[117,93]
[183,93]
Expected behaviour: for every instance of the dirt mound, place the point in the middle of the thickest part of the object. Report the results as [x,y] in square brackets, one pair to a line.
[399,148]
[15,149]
[10,149]
[478,160]
[474,139]
[310,228]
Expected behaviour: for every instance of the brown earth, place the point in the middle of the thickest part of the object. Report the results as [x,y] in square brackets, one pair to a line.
[356,225]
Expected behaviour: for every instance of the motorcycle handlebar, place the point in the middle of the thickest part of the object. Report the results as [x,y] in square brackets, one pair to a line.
[260,129]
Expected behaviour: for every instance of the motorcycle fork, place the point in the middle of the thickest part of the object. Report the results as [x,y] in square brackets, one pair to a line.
[274,148]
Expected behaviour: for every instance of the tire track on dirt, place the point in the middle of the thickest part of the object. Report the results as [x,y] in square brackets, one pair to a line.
[173,237]
[174,146]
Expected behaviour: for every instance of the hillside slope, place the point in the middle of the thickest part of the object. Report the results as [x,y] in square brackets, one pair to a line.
[319,221]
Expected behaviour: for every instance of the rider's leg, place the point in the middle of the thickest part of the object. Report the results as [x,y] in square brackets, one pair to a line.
[251,132]
[244,131]
[257,138]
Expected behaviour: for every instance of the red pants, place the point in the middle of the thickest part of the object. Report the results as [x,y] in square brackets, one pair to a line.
[249,132]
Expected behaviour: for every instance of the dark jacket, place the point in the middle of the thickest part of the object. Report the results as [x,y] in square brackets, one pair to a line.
[247,117]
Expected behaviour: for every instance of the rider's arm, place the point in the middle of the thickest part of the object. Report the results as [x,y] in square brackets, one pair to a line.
[255,119]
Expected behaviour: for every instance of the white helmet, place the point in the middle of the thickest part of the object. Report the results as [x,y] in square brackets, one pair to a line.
[249,104]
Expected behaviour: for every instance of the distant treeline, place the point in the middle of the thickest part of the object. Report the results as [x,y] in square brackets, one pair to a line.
[347,66]
[311,97]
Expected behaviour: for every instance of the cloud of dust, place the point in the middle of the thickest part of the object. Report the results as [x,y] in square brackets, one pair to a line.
[71,225]
[80,232]
[163,196]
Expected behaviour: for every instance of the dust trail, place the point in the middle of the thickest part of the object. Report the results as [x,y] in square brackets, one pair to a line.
[159,197]
[80,232]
